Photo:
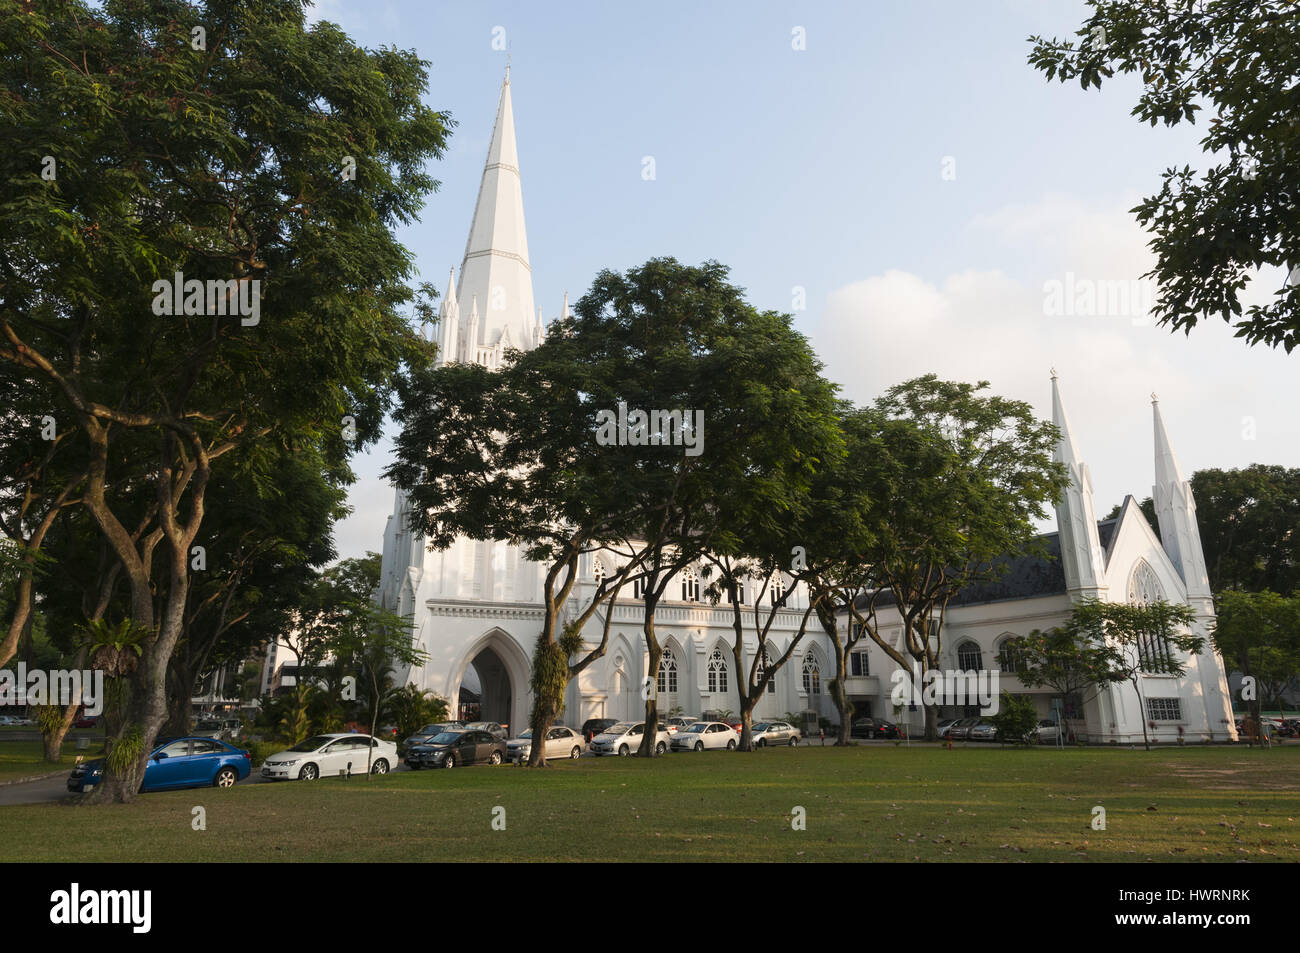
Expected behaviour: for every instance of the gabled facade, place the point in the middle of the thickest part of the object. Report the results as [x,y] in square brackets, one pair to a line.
[1120,560]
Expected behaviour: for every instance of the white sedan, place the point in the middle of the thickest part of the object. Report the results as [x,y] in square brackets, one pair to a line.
[561,742]
[706,734]
[326,755]
[624,739]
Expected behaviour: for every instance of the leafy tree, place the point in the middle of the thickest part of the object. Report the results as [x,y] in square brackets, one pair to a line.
[1211,231]
[507,455]
[412,708]
[1250,526]
[224,161]
[1070,660]
[1260,633]
[667,336]
[961,481]
[1015,720]
[1128,627]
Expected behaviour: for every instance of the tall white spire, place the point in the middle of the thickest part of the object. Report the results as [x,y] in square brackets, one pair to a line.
[496,268]
[1081,555]
[1176,513]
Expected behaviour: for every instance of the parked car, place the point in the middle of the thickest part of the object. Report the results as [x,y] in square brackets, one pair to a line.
[624,737]
[428,731]
[706,734]
[1048,732]
[452,748]
[86,721]
[491,727]
[676,723]
[874,728]
[775,733]
[982,731]
[7,721]
[942,727]
[328,755]
[960,729]
[561,742]
[594,726]
[177,763]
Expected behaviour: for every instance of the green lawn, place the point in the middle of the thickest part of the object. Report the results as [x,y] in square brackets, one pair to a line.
[25,759]
[863,803]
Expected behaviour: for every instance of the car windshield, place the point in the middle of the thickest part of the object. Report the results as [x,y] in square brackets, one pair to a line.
[762,727]
[311,744]
[445,737]
[527,734]
[697,727]
[622,728]
[430,730]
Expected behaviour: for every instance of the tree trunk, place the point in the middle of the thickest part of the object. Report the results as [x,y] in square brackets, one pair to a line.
[747,724]
[53,741]
[650,736]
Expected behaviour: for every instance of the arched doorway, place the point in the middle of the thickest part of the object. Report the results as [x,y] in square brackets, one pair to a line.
[491,683]
[488,679]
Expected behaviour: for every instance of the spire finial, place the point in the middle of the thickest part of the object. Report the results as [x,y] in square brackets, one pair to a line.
[507,82]
[1154,398]
[1053,373]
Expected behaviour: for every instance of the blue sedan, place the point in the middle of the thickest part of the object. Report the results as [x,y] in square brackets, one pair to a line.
[177,763]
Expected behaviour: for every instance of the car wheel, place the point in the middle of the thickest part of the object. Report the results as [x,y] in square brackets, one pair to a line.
[699,746]
[495,758]
[759,743]
[623,752]
[379,767]
[660,748]
[794,742]
[576,753]
[226,778]
[731,745]
[309,772]
[449,761]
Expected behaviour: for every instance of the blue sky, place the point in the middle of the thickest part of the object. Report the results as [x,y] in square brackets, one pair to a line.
[821,169]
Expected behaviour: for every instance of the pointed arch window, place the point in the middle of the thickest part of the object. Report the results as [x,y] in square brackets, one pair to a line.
[667,672]
[690,586]
[1155,654]
[717,671]
[812,675]
[1009,655]
[969,657]
[598,572]
[777,588]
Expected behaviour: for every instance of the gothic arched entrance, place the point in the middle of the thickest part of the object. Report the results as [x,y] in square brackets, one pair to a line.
[492,682]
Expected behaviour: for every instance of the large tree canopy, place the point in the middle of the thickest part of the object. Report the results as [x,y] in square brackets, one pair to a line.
[1237,62]
[224,143]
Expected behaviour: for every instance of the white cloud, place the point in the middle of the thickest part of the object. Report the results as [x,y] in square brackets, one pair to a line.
[983,325]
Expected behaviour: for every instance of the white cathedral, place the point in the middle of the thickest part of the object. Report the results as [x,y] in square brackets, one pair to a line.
[477,606]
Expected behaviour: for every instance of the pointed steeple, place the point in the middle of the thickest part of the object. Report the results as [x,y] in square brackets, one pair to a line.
[496,266]
[1176,513]
[565,312]
[449,323]
[1081,555]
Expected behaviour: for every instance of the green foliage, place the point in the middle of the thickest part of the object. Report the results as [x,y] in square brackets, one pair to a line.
[1210,231]
[125,750]
[410,709]
[1259,633]
[116,649]
[1015,720]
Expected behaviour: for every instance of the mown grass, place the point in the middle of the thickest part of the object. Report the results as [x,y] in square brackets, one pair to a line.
[877,803]
[25,759]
